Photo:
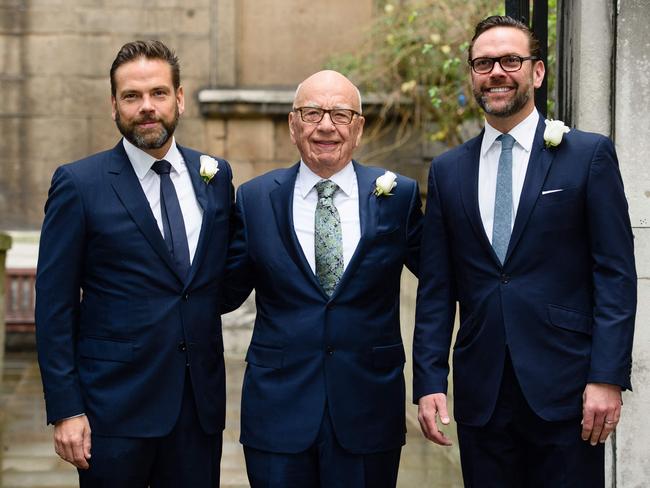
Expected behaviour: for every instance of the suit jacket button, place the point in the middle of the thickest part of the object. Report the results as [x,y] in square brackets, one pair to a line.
[329,350]
[186,297]
[182,347]
[505,279]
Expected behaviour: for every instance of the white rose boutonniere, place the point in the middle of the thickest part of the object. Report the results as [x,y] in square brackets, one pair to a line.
[555,130]
[385,184]
[209,168]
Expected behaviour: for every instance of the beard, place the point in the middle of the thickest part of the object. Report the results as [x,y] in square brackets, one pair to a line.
[516,103]
[147,139]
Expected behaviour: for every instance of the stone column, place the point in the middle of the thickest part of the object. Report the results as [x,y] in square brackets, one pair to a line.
[5,245]
[631,134]
[607,47]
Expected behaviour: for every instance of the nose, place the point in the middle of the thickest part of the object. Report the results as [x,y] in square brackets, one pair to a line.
[326,122]
[497,69]
[147,105]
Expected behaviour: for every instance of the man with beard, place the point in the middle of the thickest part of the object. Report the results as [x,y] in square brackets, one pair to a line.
[527,229]
[132,251]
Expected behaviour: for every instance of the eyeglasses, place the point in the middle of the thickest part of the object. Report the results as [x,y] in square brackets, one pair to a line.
[338,116]
[508,63]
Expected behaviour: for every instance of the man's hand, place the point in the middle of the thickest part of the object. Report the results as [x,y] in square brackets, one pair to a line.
[601,411]
[430,406]
[72,440]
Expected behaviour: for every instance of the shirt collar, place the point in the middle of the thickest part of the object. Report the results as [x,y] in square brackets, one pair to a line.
[523,132]
[142,161]
[306,179]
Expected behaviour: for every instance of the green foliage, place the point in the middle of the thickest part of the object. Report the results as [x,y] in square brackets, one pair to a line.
[416,55]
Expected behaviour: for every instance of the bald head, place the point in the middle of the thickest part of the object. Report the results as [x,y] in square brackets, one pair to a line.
[327,79]
[326,146]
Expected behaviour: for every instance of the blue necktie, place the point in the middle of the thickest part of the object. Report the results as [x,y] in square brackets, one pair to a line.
[172,217]
[502,226]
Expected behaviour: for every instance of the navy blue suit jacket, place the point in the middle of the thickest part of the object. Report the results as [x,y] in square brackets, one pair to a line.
[115,353]
[308,349]
[564,300]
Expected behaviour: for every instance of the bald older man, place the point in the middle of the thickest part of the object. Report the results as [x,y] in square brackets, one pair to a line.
[323,244]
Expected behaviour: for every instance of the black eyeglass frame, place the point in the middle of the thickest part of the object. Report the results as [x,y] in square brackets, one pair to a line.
[326,111]
[498,59]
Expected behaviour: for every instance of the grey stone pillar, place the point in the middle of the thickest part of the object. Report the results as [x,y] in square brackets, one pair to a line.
[631,134]
[606,61]
[5,245]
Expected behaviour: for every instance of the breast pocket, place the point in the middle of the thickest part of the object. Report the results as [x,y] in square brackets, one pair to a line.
[388,231]
[560,210]
[566,196]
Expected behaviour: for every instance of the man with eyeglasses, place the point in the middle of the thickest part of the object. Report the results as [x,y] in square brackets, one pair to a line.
[323,244]
[528,230]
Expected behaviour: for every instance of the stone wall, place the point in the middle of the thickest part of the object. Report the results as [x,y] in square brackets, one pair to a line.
[55,56]
[610,94]
[55,98]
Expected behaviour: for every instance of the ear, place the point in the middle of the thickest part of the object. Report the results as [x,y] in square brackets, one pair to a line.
[291,128]
[113,107]
[361,123]
[180,100]
[539,70]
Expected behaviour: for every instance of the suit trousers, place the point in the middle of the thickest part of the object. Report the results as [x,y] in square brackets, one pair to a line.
[518,449]
[324,465]
[185,458]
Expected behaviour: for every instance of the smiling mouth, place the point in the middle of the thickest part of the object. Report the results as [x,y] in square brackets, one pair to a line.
[498,89]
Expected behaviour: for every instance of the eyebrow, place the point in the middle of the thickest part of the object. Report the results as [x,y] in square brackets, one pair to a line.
[136,90]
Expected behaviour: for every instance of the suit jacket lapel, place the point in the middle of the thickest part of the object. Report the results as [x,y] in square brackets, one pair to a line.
[538,166]
[126,186]
[468,184]
[368,215]
[207,204]
[282,204]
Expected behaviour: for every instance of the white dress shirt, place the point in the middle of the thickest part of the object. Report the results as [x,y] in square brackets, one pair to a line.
[346,201]
[180,177]
[524,133]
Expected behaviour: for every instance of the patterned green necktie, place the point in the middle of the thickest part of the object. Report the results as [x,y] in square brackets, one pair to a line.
[328,240]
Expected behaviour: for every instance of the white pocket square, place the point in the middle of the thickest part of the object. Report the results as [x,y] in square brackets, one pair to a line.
[546,192]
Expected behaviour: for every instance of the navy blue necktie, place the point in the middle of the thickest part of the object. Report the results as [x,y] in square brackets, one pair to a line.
[172,217]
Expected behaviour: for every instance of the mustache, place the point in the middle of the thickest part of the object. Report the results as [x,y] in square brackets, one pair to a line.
[147,118]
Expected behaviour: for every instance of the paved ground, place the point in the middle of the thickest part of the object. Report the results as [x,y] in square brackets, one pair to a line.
[28,460]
